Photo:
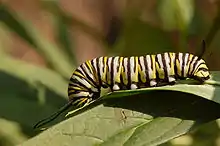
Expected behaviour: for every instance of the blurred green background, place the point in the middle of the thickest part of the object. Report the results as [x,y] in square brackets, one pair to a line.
[43,41]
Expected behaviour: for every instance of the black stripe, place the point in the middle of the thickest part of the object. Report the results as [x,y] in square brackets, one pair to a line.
[87,75]
[157,73]
[175,66]
[76,85]
[164,67]
[199,66]
[76,91]
[107,72]
[139,63]
[156,60]
[183,64]
[193,68]
[188,65]
[188,75]
[105,66]
[146,70]
[103,63]
[129,73]
[169,55]
[112,72]
[98,72]
[88,79]
[203,69]
[121,75]
[118,65]
[139,74]
[135,64]
[104,85]
[80,84]
[95,71]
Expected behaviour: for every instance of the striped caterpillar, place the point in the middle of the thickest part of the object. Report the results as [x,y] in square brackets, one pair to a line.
[124,73]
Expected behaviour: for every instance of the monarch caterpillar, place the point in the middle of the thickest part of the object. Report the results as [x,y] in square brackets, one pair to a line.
[122,73]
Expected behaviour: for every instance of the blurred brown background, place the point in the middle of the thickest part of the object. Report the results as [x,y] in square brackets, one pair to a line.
[104,18]
[91,28]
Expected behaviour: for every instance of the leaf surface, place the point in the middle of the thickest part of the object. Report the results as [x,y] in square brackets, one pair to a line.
[144,117]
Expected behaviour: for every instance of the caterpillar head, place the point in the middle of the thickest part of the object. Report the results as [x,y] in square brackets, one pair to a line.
[201,72]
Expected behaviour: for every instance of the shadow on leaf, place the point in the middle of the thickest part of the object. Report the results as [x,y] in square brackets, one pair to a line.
[169,104]
[19,102]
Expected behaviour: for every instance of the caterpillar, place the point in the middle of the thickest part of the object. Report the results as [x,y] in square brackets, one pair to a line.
[124,73]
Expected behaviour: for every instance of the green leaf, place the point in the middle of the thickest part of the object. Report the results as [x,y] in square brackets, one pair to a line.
[142,117]
[10,133]
[33,75]
[27,94]
[53,55]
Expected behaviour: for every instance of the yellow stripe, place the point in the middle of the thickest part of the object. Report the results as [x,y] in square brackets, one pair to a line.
[187,66]
[78,87]
[136,70]
[92,72]
[79,74]
[178,67]
[153,65]
[109,71]
[190,68]
[118,73]
[125,80]
[172,57]
[143,78]
[71,91]
[160,70]
[202,66]
[190,57]
[71,96]
[104,75]
[90,66]
[82,101]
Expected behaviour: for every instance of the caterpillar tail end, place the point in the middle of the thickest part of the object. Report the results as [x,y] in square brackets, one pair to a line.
[52,117]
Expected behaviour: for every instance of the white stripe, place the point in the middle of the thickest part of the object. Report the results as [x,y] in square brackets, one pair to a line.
[167,62]
[81,70]
[109,65]
[192,64]
[115,67]
[181,62]
[150,71]
[132,67]
[197,65]
[94,64]
[159,57]
[101,67]
[88,71]
[185,65]
[142,66]
[125,67]
[84,82]
[80,94]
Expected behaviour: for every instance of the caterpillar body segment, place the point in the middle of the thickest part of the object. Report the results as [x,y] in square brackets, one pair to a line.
[125,73]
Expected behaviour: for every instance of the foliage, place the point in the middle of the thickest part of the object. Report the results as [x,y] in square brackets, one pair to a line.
[134,118]
[141,117]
